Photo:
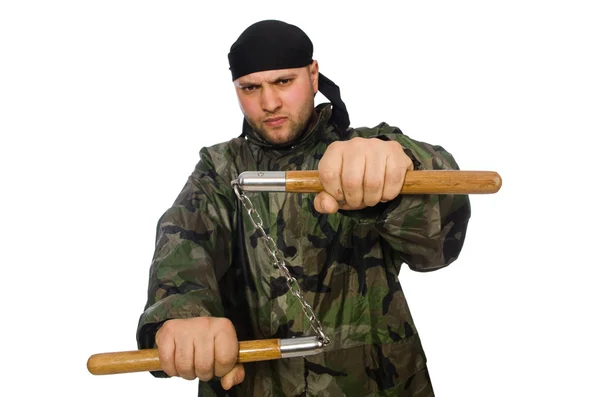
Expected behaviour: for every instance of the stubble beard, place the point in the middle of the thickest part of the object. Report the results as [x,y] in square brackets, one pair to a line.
[297,126]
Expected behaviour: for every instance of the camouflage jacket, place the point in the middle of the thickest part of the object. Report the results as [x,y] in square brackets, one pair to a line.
[209,262]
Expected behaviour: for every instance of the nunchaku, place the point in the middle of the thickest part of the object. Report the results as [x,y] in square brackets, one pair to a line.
[415,182]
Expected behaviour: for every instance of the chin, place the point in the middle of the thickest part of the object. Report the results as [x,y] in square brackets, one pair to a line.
[278,137]
[279,140]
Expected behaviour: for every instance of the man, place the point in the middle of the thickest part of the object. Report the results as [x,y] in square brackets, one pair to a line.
[212,283]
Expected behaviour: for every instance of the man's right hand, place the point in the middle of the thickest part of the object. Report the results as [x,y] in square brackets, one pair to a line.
[202,347]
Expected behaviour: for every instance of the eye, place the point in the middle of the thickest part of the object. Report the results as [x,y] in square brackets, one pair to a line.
[249,88]
[284,81]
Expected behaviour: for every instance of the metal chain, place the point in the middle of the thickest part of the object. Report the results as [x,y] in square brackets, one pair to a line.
[279,263]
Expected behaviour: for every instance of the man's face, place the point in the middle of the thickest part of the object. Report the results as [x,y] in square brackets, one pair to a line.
[278,104]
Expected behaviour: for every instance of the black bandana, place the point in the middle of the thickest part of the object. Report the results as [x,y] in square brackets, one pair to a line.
[272,45]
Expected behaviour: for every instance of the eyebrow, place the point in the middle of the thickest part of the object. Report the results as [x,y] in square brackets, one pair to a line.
[286,76]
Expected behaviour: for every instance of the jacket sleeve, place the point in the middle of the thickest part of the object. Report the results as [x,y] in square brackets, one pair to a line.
[427,232]
[193,250]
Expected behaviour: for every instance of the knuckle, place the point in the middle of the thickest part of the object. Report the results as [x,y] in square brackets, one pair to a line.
[164,355]
[335,145]
[226,349]
[204,370]
[351,185]
[167,328]
[394,144]
[184,369]
[327,175]
[395,169]
[373,184]
[359,141]
[396,178]
[223,324]
[395,174]
[333,149]
[203,322]
[159,337]
[225,358]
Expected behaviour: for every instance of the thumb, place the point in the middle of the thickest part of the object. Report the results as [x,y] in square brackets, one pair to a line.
[325,203]
[233,377]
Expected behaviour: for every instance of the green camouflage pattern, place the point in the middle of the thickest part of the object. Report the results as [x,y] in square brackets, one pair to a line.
[209,261]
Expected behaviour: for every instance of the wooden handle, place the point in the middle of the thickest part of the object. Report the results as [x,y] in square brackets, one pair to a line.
[415,182]
[147,359]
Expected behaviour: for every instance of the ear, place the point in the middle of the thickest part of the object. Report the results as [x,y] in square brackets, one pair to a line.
[314,76]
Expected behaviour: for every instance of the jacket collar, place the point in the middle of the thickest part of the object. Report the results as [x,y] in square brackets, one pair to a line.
[317,131]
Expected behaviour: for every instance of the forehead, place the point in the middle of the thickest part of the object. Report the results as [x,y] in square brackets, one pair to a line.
[267,75]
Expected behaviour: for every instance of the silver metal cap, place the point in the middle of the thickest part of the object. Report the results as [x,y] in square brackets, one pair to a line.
[301,346]
[262,181]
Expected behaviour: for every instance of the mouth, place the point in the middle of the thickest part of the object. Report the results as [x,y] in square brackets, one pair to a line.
[275,121]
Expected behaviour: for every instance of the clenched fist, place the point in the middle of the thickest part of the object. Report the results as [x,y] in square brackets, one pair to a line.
[361,173]
[202,347]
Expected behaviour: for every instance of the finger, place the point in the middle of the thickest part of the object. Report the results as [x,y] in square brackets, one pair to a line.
[330,170]
[353,171]
[225,347]
[204,356]
[184,357]
[374,178]
[166,353]
[397,163]
[234,377]
[325,203]
[344,206]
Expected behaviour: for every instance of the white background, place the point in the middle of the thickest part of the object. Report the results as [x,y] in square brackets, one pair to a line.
[104,106]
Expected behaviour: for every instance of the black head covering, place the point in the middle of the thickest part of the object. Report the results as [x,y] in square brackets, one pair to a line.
[271,45]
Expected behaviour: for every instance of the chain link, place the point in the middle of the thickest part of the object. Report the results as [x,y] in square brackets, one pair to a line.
[279,263]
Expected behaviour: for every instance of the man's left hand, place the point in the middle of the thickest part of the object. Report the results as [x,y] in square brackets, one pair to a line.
[361,173]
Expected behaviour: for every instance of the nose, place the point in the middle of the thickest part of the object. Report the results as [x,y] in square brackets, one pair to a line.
[270,100]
